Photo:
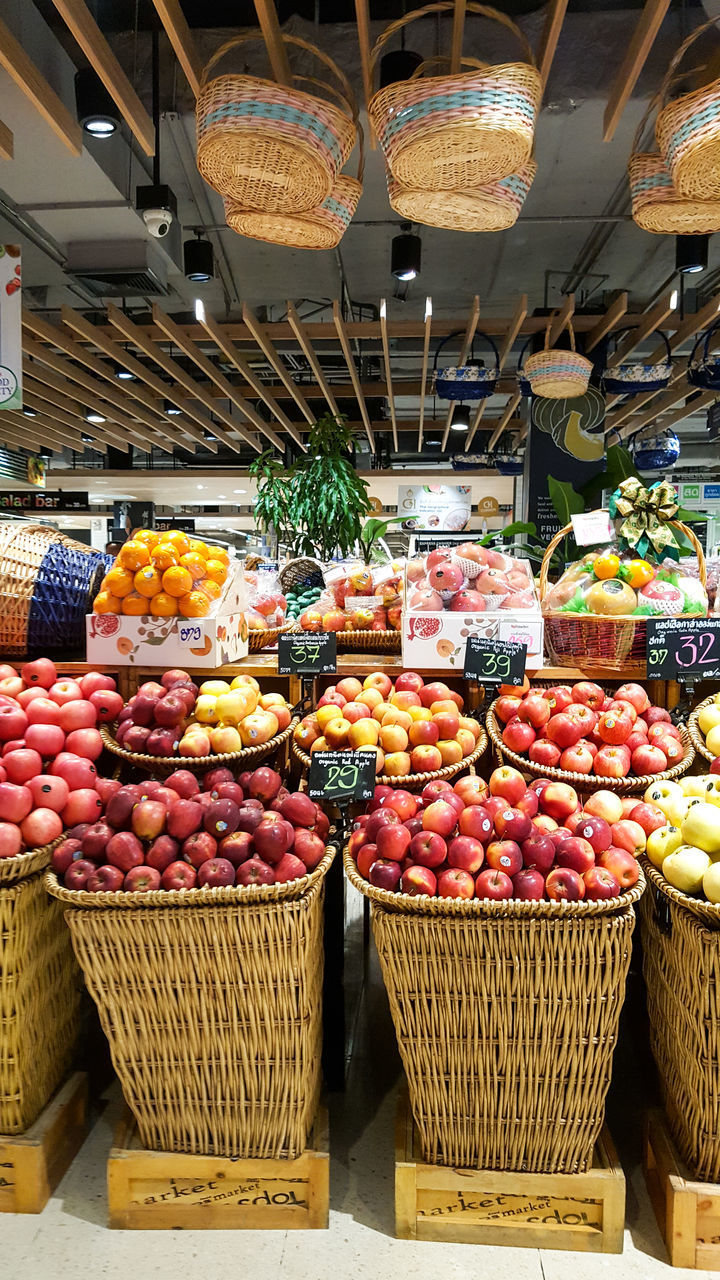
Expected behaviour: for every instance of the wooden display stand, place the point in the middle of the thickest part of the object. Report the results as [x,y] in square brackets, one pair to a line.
[165,1191]
[32,1163]
[584,1212]
[687,1212]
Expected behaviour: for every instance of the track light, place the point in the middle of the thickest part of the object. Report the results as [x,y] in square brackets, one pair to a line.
[124,374]
[691,254]
[92,415]
[405,256]
[170,408]
[198,260]
[86,439]
[460,420]
[96,111]
[29,413]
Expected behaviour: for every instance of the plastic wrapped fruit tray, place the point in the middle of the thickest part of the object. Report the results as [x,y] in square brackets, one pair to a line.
[415,781]
[248,754]
[588,781]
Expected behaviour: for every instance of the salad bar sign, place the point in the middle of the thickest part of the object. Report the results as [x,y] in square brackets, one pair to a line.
[683,648]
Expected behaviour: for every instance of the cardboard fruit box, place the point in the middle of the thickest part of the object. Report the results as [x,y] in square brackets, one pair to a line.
[220,638]
[438,640]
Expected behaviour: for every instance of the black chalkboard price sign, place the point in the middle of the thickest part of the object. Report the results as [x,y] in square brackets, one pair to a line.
[683,648]
[495,661]
[340,776]
[307,655]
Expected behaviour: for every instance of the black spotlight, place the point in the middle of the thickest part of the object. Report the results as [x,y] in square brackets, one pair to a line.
[691,254]
[171,408]
[398,65]
[198,260]
[96,111]
[460,420]
[29,413]
[406,255]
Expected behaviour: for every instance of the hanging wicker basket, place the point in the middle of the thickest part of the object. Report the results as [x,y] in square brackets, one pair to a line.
[631,376]
[457,132]
[469,381]
[704,371]
[555,374]
[492,207]
[656,203]
[269,147]
[688,130]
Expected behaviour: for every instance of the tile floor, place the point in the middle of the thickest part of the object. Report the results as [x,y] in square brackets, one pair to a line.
[70,1240]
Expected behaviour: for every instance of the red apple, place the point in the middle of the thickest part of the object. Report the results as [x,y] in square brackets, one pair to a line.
[629,835]
[589,694]
[475,821]
[13,721]
[538,851]
[622,865]
[455,883]
[504,855]
[596,831]
[162,852]
[440,816]
[142,879]
[564,885]
[576,853]
[236,848]
[216,873]
[63,854]
[654,715]
[403,802]
[559,697]
[507,707]
[221,818]
[124,850]
[41,671]
[184,783]
[273,837]
[179,875]
[382,817]
[393,842]
[559,800]
[95,840]
[577,759]
[184,819]
[508,784]
[649,759]
[78,772]
[648,816]
[417,881]
[290,867]
[518,736]
[612,762]
[428,849]
[614,728]
[264,783]
[434,790]
[544,753]
[635,694]
[529,885]
[535,709]
[365,859]
[385,874]
[600,884]
[105,879]
[472,790]
[636,739]
[513,824]
[83,805]
[466,853]
[495,885]
[148,819]
[254,871]
[78,873]
[309,847]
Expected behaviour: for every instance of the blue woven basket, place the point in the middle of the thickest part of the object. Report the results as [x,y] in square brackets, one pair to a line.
[705,372]
[469,381]
[658,453]
[66,584]
[631,376]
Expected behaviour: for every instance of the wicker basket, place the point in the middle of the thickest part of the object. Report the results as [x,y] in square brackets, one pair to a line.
[493,207]
[705,371]
[301,572]
[47,585]
[457,132]
[40,992]
[555,374]
[211,1001]
[681,965]
[615,644]
[587,781]
[695,733]
[258,640]
[368,641]
[266,146]
[249,756]
[688,130]
[506,1017]
[631,376]
[468,381]
[415,781]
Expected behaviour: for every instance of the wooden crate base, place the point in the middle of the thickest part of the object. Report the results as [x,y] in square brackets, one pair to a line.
[583,1212]
[165,1191]
[687,1211]
[32,1163]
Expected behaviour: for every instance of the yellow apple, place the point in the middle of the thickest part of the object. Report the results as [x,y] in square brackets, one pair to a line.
[712,740]
[215,687]
[270,700]
[241,682]
[233,706]
[257,728]
[702,828]
[676,811]
[327,713]
[660,793]
[709,717]
[694,784]
[194,745]
[684,869]
[711,883]
[225,739]
[206,708]
[318,745]
[662,842]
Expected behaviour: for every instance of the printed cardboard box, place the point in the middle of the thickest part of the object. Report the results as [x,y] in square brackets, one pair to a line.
[437,640]
[174,642]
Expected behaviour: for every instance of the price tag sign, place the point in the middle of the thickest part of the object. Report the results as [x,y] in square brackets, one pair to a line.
[592,527]
[307,655]
[495,661]
[683,648]
[191,634]
[342,775]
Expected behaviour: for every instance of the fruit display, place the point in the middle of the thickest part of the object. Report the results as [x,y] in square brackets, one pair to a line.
[164,575]
[50,742]
[176,717]
[468,579]
[704,729]
[266,605]
[502,840]
[411,727]
[358,597]
[686,848]
[612,583]
[581,729]
[179,835]
[299,599]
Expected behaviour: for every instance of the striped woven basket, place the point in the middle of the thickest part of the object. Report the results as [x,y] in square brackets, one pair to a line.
[555,374]
[457,132]
[492,207]
[688,130]
[657,205]
[266,146]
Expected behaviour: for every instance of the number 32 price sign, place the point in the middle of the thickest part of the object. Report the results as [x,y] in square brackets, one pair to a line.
[683,648]
[495,661]
[340,776]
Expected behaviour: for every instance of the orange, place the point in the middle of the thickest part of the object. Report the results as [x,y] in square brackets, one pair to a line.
[606,566]
[148,581]
[218,553]
[200,548]
[216,570]
[133,555]
[194,605]
[163,606]
[118,581]
[178,539]
[147,536]
[211,589]
[163,556]
[177,581]
[106,602]
[639,573]
[195,565]
[135,605]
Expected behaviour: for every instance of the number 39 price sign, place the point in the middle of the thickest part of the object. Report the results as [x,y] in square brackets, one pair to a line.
[495,661]
[683,648]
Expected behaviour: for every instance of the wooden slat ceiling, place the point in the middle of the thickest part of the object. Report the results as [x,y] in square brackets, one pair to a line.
[263,384]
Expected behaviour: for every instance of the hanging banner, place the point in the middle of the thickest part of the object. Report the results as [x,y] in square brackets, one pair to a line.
[10,327]
[435,506]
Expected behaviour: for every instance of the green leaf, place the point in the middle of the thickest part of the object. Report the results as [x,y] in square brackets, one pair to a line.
[565,500]
[689,516]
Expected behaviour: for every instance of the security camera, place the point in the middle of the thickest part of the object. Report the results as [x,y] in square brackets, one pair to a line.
[158,207]
[158,221]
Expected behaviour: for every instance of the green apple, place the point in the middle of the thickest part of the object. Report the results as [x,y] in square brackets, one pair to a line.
[661,843]
[702,827]
[695,784]
[711,882]
[684,869]
[709,717]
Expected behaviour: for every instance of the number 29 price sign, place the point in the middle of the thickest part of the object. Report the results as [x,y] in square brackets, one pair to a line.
[683,648]
[340,776]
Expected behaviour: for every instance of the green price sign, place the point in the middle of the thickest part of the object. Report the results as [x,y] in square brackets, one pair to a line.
[341,775]
[495,661]
[307,655]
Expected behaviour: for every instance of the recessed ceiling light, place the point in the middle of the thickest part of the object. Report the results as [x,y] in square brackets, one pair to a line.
[200,486]
[239,490]
[221,495]
[92,415]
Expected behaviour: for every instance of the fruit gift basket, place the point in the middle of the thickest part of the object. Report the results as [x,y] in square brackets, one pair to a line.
[362,604]
[599,606]
[266,612]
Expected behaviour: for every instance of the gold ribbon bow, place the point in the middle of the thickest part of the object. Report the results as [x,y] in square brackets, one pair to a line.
[646,513]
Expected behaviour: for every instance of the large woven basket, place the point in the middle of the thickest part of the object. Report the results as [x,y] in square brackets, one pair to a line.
[211,1002]
[258,640]
[631,376]
[688,130]
[267,146]
[495,206]
[587,781]
[455,132]
[695,733]
[657,205]
[415,781]
[506,1017]
[615,644]
[681,965]
[303,571]
[47,585]
[369,641]
[557,374]
[248,757]
[40,992]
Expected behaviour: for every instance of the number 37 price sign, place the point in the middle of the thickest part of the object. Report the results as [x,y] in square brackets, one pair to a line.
[683,648]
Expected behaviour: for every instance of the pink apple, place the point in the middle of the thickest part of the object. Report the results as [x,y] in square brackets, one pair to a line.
[612,762]
[564,885]
[77,771]
[629,835]
[48,792]
[518,736]
[564,730]
[83,805]
[648,816]
[65,691]
[107,704]
[15,802]
[649,759]
[440,816]
[544,753]
[13,721]
[588,694]
[605,804]
[559,800]
[40,672]
[508,784]
[636,695]
[504,855]
[11,840]
[22,765]
[41,827]
[622,865]
[475,821]
[95,682]
[577,759]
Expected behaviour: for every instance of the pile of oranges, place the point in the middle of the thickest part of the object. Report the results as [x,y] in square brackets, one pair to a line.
[163,575]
